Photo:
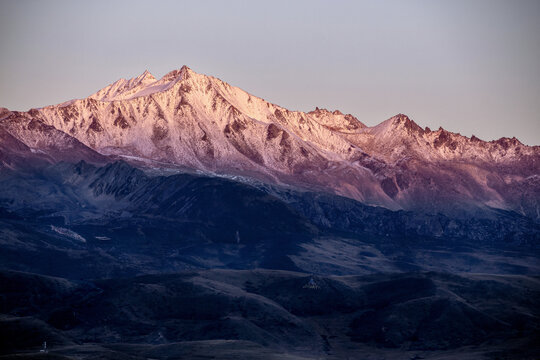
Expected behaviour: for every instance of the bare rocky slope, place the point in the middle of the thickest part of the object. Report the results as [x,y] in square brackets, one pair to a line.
[194,121]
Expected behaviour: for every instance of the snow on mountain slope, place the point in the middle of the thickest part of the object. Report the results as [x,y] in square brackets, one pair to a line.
[26,139]
[198,121]
[123,89]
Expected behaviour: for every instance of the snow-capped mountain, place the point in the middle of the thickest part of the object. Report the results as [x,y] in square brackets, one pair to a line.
[196,121]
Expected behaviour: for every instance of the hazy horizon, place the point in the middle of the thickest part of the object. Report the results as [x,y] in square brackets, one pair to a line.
[468,66]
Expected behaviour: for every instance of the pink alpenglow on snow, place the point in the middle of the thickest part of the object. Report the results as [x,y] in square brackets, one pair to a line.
[195,121]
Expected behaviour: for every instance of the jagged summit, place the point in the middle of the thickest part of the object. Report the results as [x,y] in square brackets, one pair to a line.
[397,126]
[146,76]
[403,121]
[183,72]
[142,85]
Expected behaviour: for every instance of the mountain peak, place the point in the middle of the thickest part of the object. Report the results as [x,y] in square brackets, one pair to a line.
[184,73]
[398,126]
[406,122]
[142,85]
[146,76]
[121,88]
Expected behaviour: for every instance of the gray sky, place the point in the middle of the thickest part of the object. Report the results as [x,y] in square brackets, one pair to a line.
[469,66]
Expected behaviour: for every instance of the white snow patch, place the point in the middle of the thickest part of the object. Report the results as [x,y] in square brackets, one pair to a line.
[69,233]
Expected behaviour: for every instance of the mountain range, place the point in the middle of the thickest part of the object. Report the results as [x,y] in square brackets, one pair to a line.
[186,218]
[187,120]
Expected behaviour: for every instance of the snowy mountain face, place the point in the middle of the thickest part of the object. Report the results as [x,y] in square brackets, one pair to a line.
[195,121]
[27,140]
